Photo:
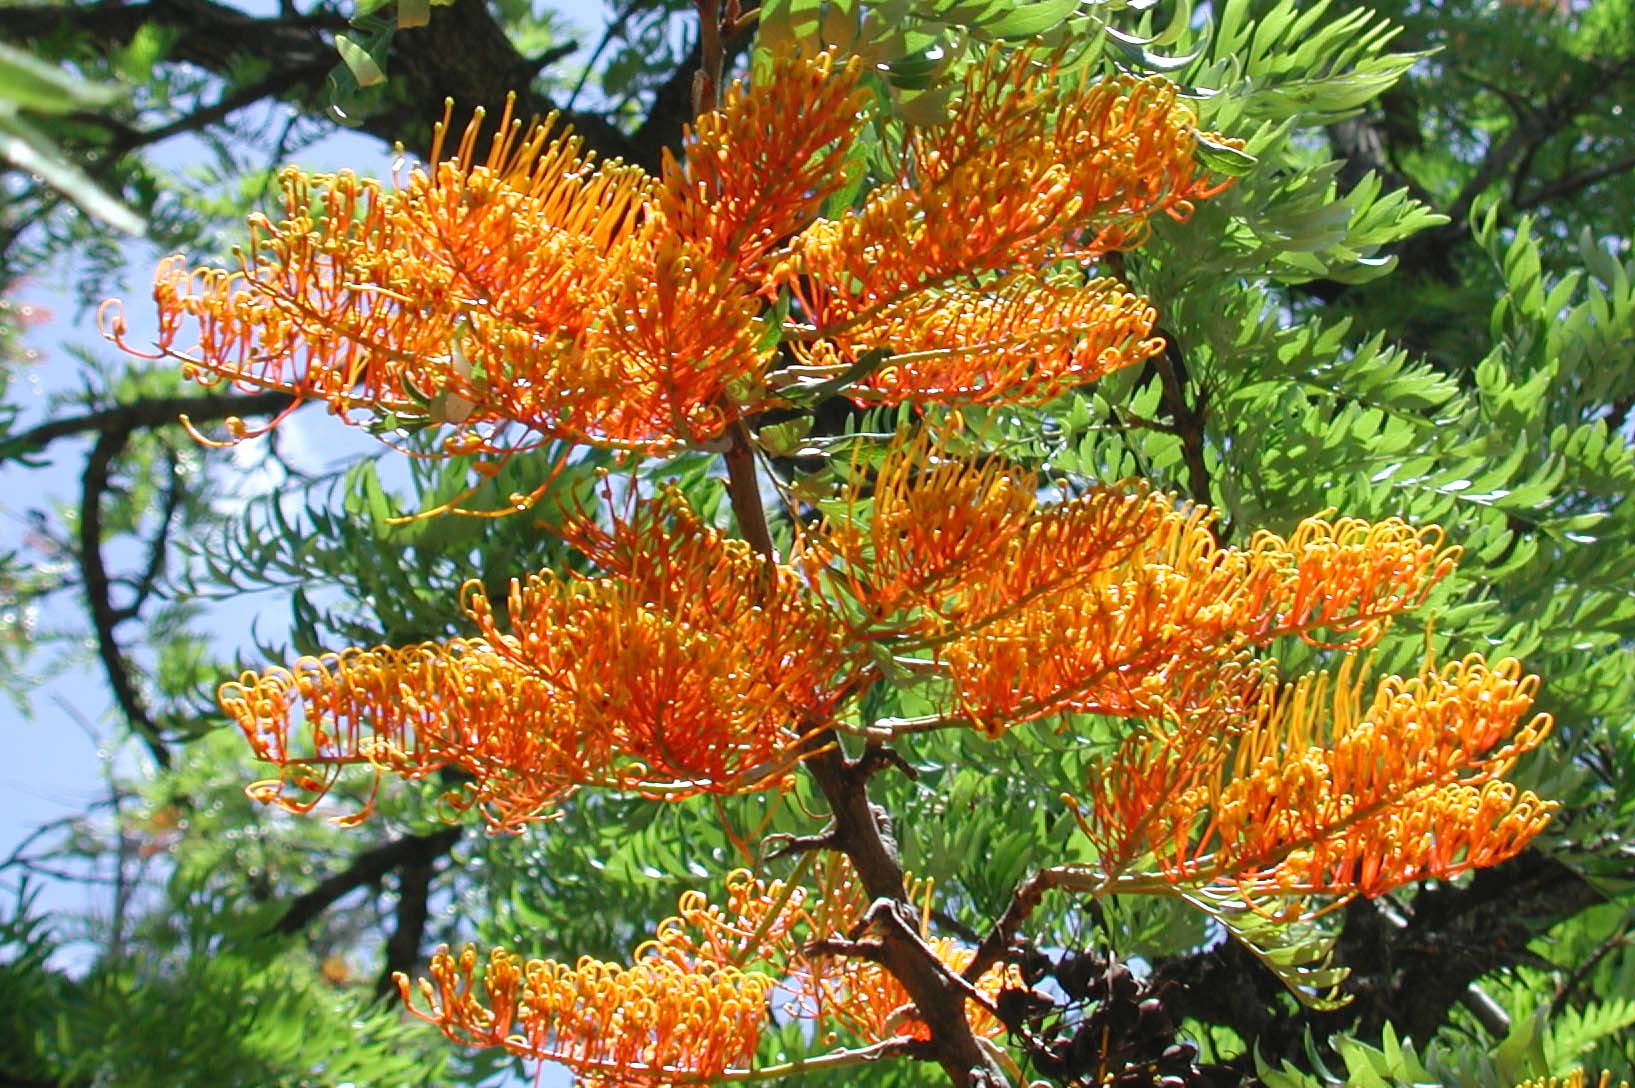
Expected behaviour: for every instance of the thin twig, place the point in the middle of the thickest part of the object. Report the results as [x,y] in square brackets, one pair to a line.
[146,413]
[1571,183]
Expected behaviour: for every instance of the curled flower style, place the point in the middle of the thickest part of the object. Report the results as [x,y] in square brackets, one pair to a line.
[909,536]
[651,1023]
[759,169]
[414,711]
[693,677]
[1326,795]
[1020,341]
[941,543]
[535,294]
[690,1005]
[763,923]
[1031,167]
[1176,601]
[534,288]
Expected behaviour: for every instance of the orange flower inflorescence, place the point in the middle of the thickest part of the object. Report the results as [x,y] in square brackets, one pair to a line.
[1177,601]
[535,290]
[653,1022]
[1101,603]
[690,673]
[1328,795]
[1030,169]
[693,1001]
[536,295]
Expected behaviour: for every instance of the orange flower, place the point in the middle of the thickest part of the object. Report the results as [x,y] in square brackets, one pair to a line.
[695,676]
[763,924]
[1330,800]
[535,288]
[447,299]
[869,1001]
[946,542]
[651,1023]
[534,294]
[1020,341]
[758,169]
[1175,601]
[414,711]
[690,1005]
[1031,167]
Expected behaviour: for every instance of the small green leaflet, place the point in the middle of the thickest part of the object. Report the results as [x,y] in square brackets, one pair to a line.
[1223,158]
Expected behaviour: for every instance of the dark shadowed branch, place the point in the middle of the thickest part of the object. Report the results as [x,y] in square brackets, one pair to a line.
[145,413]
[369,867]
[1409,975]
[94,577]
[414,879]
[463,54]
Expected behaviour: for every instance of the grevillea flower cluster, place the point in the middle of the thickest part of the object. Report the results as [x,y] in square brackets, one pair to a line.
[687,672]
[1327,792]
[534,295]
[694,999]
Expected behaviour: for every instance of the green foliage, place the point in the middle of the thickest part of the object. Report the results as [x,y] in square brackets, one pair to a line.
[225,1013]
[28,84]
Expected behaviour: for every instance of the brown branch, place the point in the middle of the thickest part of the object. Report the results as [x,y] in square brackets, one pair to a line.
[113,428]
[1187,417]
[143,585]
[937,994]
[744,490]
[861,831]
[1024,901]
[463,54]
[229,103]
[145,413]
[414,879]
[369,867]
[94,578]
[1564,992]
[1569,184]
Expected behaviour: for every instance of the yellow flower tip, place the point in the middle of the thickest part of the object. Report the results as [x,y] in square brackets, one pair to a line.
[199,436]
[1578,1078]
[758,168]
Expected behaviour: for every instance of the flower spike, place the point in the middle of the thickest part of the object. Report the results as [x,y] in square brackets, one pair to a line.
[1020,341]
[758,169]
[649,1024]
[1031,168]
[1330,795]
[690,1006]
[693,678]
[1176,601]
